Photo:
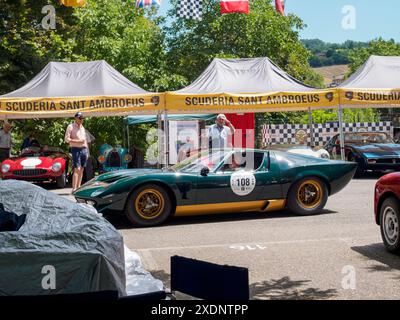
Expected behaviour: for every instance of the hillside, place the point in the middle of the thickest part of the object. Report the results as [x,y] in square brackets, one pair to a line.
[332,73]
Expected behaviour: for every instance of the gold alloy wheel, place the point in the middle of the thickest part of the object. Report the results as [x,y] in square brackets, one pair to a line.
[309,194]
[149,204]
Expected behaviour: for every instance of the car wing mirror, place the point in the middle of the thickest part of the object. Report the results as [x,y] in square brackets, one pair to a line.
[204,171]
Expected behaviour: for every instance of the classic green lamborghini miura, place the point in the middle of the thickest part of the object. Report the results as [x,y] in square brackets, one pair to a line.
[219,182]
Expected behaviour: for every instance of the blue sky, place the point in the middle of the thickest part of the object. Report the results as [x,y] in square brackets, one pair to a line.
[374,18]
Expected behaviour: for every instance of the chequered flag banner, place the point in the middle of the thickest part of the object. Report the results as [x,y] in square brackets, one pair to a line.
[322,133]
[190,9]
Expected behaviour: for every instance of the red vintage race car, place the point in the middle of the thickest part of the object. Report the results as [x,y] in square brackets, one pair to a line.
[387,210]
[38,164]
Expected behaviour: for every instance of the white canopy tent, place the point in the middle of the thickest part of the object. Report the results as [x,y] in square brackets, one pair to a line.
[63,88]
[375,84]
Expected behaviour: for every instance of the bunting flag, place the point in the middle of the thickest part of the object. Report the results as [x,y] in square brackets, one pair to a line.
[280,6]
[234,6]
[146,3]
[190,9]
[73,3]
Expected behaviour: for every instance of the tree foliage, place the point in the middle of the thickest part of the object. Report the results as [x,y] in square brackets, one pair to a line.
[328,54]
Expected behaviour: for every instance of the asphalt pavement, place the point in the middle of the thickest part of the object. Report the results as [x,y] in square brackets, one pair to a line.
[335,255]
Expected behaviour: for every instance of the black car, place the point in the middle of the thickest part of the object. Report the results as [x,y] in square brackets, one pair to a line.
[373,151]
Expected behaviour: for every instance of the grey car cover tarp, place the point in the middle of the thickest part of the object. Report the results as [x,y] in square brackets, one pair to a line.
[253,85]
[63,88]
[84,250]
[375,84]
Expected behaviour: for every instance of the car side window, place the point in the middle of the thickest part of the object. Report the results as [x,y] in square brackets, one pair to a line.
[247,161]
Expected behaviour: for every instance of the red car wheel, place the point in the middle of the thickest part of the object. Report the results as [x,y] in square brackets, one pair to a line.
[390,222]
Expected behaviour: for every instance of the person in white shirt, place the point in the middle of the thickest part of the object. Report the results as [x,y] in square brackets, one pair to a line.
[5,141]
[76,137]
[219,132]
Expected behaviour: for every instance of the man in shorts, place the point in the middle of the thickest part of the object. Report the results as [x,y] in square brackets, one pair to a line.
[76,137]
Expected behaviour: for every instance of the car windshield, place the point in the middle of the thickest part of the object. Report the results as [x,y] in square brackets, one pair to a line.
[201,160]
[368,137]
[41,152]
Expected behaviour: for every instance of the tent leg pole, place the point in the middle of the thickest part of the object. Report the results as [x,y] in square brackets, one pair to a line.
[166,140]
[159,137]
[341,132]
[310,125]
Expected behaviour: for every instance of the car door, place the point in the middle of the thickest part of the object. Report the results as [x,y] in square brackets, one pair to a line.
[245,183]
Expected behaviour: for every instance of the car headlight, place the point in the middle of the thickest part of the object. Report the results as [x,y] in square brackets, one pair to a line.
[101,159]
[128,158]
[5,168]
[56,167]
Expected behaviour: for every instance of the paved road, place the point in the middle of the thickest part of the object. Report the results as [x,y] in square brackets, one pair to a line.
[288,257]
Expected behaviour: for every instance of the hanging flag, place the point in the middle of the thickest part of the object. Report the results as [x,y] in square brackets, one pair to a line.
[234,6]
[73,3]
[190,9]
[280,6]
[146,3]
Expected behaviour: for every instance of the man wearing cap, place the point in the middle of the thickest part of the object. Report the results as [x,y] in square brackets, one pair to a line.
[218,133]
[5,141]
[75,136]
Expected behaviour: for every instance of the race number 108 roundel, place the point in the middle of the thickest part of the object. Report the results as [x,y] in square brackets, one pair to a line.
[234,6]
[243,183]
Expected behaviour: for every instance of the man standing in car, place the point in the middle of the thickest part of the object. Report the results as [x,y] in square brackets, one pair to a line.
[75,136]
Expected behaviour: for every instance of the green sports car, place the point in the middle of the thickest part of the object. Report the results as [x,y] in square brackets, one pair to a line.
[219,182]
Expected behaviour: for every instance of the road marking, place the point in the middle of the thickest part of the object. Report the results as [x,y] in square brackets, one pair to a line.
[253,244]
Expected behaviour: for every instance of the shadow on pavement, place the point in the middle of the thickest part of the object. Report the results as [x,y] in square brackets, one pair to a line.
[288,289]
[377,252]
[281,289]
[121,222]
[370,175]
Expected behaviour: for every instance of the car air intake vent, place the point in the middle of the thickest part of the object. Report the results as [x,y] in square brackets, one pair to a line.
[30,172]
[114,160]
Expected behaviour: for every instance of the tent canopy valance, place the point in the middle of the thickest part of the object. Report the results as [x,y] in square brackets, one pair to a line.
[247,85]
[63,88]
[376,83]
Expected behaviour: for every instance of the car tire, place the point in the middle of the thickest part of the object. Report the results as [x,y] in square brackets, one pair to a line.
[307,196]
[148,217]
[61,181]
[390,224]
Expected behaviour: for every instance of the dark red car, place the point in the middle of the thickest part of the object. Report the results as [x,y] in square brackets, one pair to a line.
[387,210]
[38,164]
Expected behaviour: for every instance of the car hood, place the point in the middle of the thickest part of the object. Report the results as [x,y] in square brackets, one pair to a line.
[378,149]
[122,174]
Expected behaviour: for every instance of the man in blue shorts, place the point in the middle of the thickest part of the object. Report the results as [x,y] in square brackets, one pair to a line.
[75,136]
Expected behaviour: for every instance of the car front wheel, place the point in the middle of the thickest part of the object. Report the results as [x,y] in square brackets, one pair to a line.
[149,205]
[389,222]
[61,181]
[307,196]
